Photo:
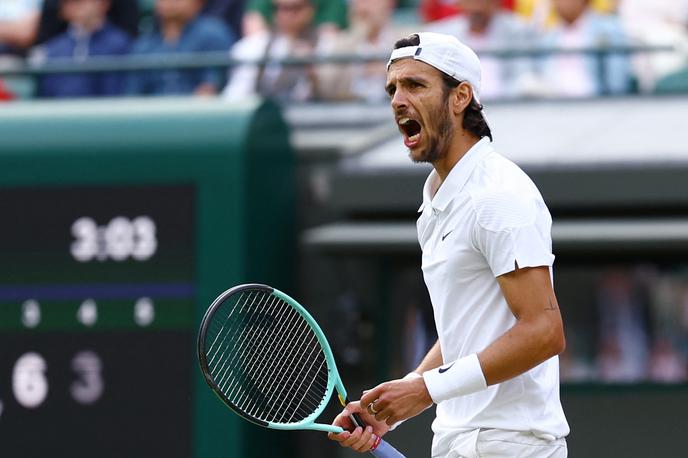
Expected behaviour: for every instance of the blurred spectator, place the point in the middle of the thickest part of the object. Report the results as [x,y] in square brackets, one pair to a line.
[231,11]
[584,75]
[123,14]
[541,12]
[667,364]
[485,25]
[180,28]
[330,15]
[624,328]
[434,10]
[293,35]
[18,25]
[575,364]
[656,23]
[5,95]
[89,34]
[669,301]
[371,33]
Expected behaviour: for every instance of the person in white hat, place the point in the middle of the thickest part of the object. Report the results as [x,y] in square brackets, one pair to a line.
[484,231]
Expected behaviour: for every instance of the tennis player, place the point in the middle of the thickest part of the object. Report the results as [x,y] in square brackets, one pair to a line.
[484,231]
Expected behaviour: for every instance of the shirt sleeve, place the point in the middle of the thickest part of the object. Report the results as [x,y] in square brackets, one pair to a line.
[513,232]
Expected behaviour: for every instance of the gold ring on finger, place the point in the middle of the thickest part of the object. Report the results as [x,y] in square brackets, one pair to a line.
[371,408]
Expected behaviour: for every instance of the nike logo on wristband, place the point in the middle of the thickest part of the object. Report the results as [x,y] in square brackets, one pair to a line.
[445,369]
[445,235]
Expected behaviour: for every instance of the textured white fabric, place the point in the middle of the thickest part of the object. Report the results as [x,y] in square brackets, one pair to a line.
[458,378]
[486,218]
[497,443]
[447,54]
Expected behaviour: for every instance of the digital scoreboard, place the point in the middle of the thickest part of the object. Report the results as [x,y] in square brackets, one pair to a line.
[96,299]
[119,227]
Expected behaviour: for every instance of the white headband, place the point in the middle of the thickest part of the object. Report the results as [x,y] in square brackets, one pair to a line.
[447,54]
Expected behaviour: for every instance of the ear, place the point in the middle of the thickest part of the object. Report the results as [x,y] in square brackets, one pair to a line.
[461,97]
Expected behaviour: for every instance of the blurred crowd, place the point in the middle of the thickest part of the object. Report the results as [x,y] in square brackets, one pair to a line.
[636,330]
[625,323]
[528,48]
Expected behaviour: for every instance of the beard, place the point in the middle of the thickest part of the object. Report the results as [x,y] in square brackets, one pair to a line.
[438,143]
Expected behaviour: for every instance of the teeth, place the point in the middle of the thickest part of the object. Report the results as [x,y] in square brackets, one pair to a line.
[403,121]
[414,138]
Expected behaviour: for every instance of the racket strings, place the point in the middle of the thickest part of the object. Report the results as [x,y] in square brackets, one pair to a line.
[214,345]
[263,372]
[224,365]
[233,344]
[246,342]
[249,393]
[304,405]
[274,379]
[293,385]
[265,358]
[293,382]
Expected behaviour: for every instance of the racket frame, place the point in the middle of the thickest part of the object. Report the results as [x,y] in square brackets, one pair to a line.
[334,380]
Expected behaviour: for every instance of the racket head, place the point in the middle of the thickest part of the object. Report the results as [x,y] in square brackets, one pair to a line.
[267,359]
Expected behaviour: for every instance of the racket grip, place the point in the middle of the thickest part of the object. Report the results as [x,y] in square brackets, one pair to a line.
[383,449]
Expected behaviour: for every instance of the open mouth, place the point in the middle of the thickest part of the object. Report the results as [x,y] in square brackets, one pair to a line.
[411,130]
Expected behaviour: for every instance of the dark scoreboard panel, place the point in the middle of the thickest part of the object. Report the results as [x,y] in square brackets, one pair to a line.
[82,396]
[96,313]
[120,222]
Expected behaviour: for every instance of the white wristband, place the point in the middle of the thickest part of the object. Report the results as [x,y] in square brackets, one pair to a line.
[463,376]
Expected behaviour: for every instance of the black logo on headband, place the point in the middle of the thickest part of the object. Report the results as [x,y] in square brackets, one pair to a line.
[418,50]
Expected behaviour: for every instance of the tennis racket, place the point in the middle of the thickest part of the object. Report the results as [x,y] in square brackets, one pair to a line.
[268,360]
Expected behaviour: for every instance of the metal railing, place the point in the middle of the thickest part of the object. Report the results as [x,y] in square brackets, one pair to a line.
[220,60]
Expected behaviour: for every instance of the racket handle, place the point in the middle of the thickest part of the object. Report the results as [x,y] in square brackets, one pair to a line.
[383,449]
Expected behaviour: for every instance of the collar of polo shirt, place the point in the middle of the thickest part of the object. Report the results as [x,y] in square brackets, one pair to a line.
[440,198]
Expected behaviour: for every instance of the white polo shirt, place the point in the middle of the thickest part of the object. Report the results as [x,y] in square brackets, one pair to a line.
[485,218]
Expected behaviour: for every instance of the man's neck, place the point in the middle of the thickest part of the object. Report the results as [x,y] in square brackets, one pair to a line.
[460,145]
[373,32]
[574,20]
[479,26]
[88,28]
[172,30]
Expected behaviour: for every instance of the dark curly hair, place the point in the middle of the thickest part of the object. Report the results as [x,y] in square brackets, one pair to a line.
[473,119]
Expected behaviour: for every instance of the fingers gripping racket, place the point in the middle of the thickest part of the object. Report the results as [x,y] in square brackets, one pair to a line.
[268,360]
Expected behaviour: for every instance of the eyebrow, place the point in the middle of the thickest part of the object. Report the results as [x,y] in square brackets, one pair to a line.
[414,79]
[406,80]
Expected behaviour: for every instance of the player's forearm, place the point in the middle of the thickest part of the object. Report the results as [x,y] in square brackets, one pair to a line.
[527,344]
[524,346]
[432,359]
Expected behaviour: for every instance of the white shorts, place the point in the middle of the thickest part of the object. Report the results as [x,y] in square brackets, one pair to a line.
[499,443]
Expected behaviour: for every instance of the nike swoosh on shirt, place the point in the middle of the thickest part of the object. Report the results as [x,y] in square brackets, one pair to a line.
[445,235]
[445,369]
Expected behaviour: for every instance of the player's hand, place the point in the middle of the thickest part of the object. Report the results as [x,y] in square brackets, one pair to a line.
[358,439]
[397,400]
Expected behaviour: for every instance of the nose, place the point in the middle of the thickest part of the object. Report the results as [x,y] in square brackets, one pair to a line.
[399,100]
